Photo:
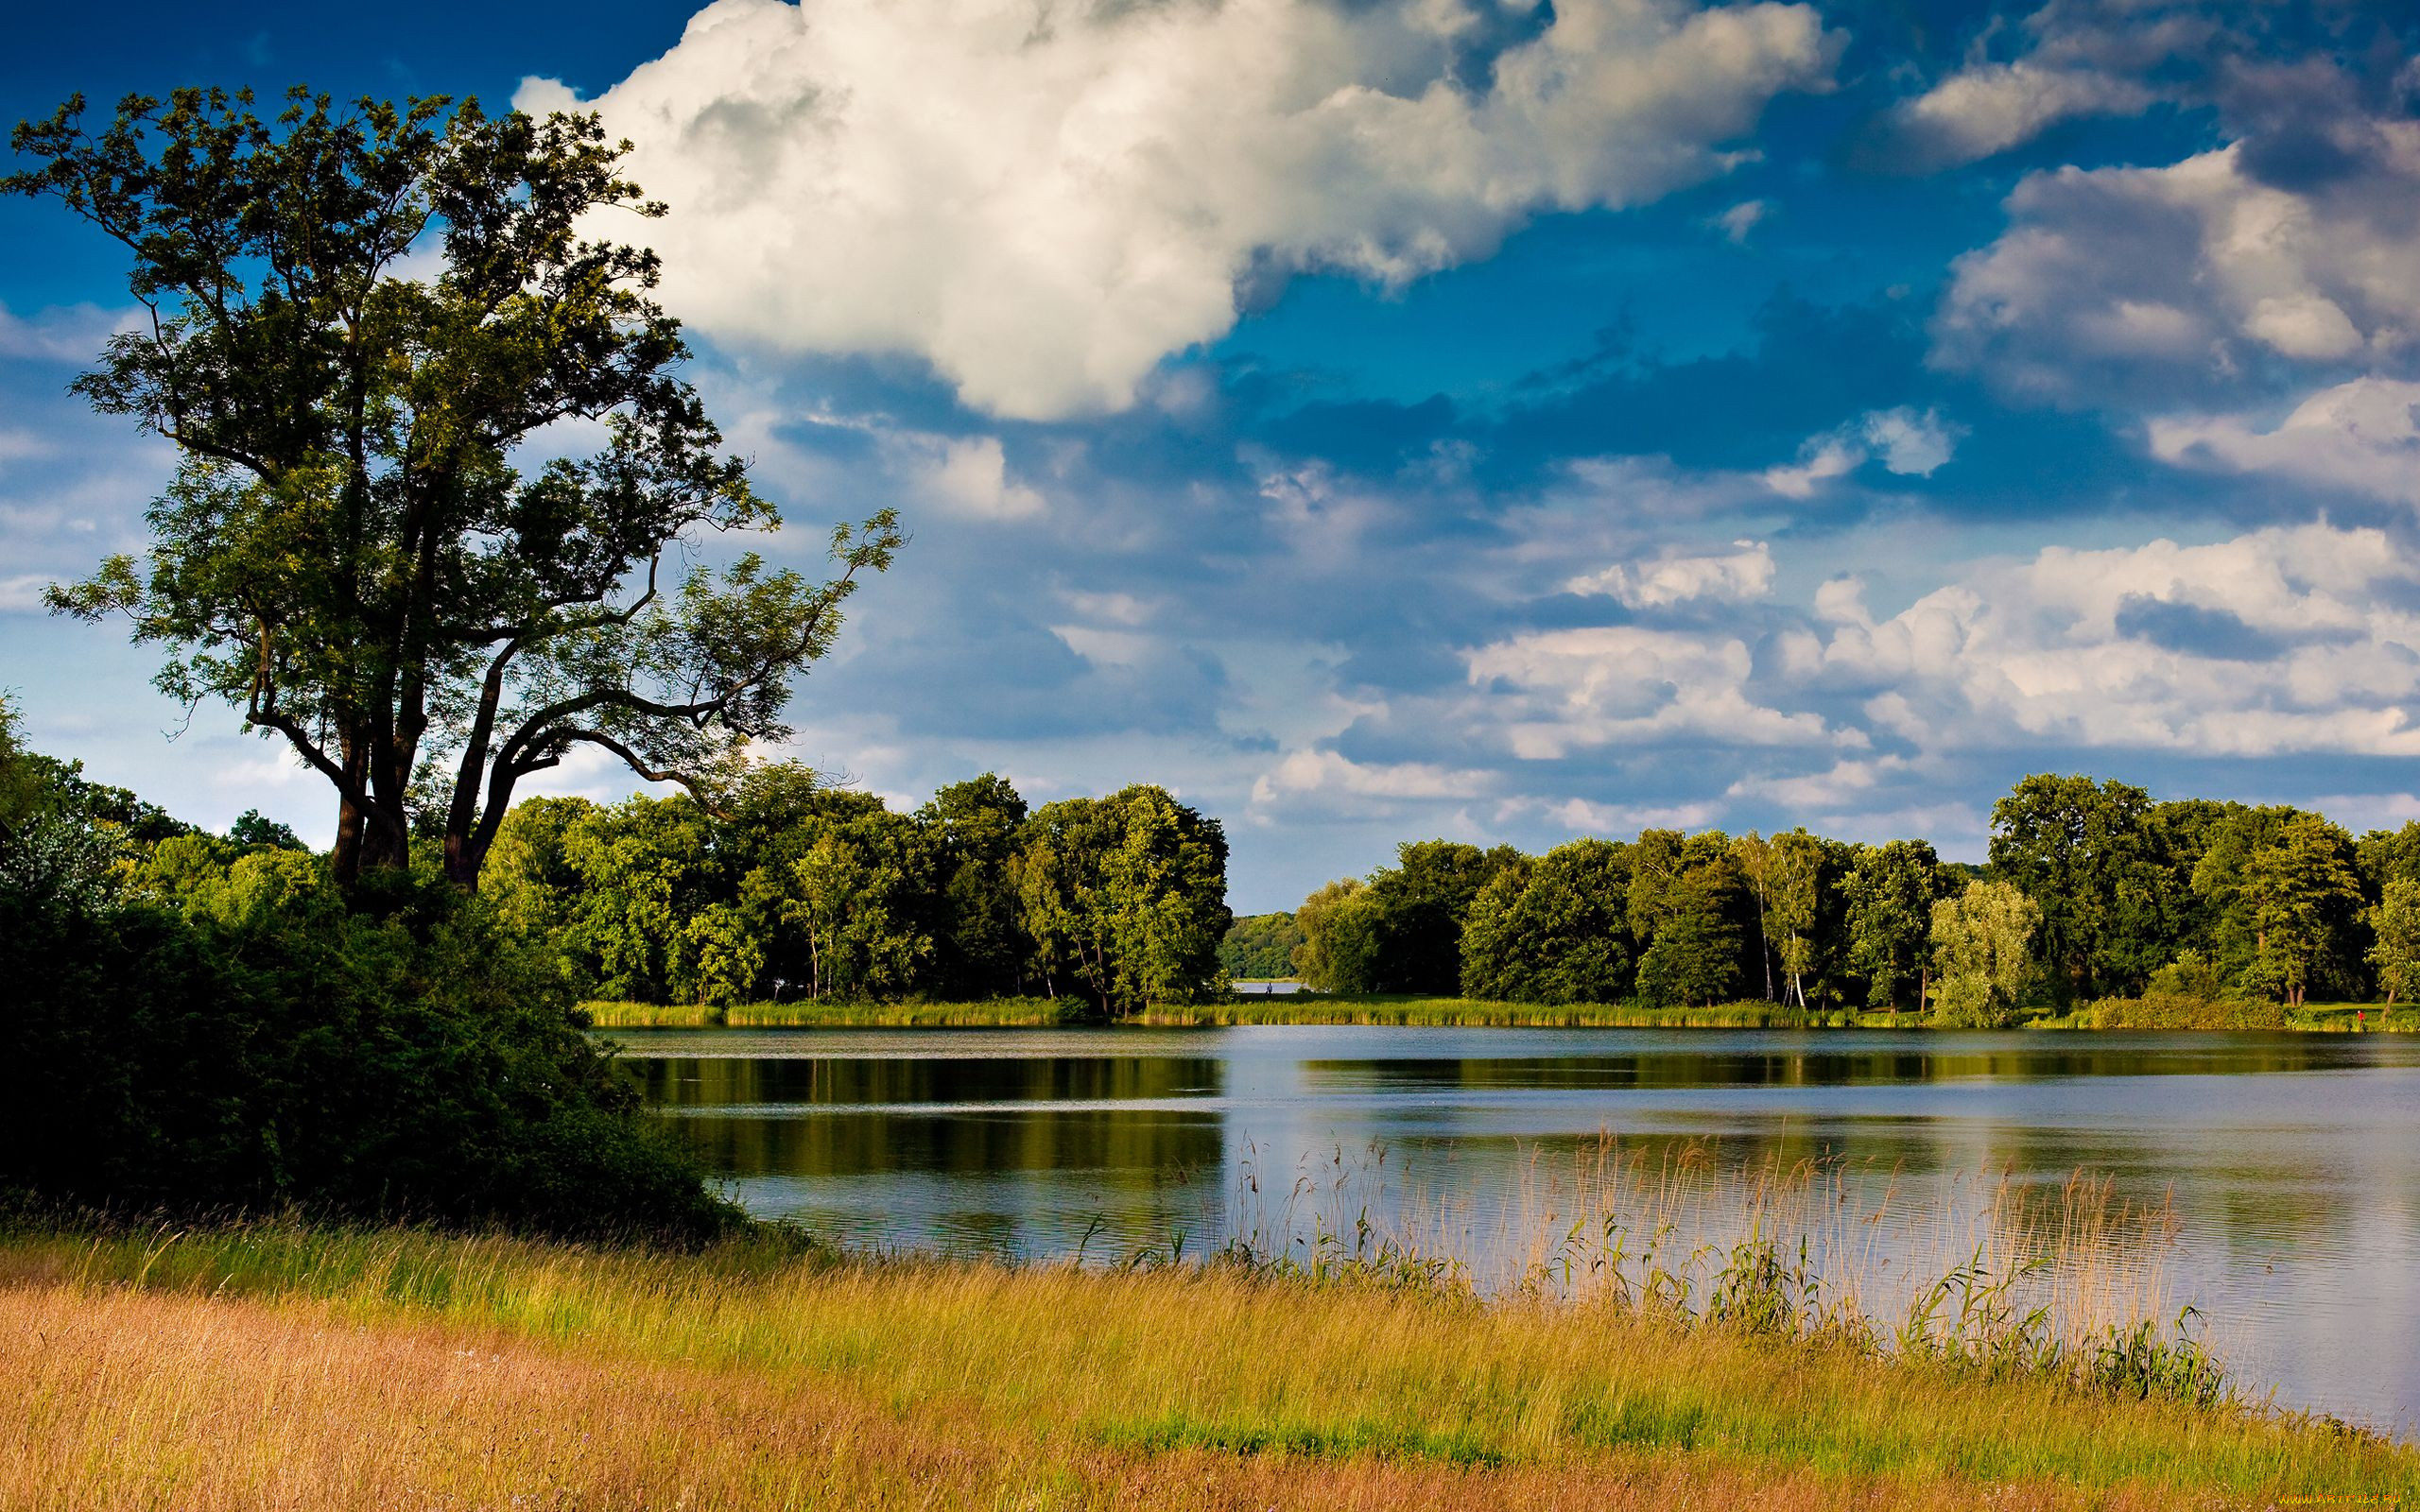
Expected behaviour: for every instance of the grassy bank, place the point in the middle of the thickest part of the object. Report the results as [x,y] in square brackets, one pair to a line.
[998,1013]
[1477,1013]
[1315,1008]
[2188,1013]
[282,1365]
[1307,1009]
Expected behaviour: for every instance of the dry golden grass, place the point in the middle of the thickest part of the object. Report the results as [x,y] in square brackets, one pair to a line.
[120,1400]
[279,1366]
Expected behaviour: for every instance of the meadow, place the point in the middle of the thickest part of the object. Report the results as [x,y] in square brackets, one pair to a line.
[1638,1363]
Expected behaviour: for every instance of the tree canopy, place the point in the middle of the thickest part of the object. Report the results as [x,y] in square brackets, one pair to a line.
[376,335]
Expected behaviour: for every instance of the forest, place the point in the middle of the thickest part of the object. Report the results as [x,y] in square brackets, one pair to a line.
[2093,889]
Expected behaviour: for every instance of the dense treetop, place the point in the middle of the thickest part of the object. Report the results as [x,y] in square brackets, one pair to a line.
[369,331]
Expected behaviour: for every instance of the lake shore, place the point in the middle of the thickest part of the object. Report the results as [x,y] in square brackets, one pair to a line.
[306,1367]
[1311,1008]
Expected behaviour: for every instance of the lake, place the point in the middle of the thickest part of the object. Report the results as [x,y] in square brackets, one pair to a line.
[2290,1163]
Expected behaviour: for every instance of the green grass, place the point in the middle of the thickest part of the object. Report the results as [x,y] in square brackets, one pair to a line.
[2227,1014]
[1383,1009]
[1476,1013]
[998,1013]
[1048,1368]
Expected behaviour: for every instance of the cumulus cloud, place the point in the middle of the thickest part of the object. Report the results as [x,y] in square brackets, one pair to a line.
[1907,441]
[969,475]
[2278,642]
[1044,201]
[1582,816]
[1555,692]
[2362,436]
[1989,108]
[1678,576]
[2071,58]
[2195,272]
[1329,780]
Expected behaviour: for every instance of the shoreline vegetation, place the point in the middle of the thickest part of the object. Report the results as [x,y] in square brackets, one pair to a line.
[1407,1010]
[1642,1359]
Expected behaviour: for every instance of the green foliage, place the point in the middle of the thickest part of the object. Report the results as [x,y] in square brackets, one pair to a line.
[1126,895]
[800,889]
[22,792]
[1689,903]
[1422,900]
[976,825]
[1260,947]
[352,553]
[861,894]
[1890,890]
[1554,930]
[2395,921]
[1694,957]
[2192,976]
[1984,955]
[2106,871]
[1341,939]
[2287,901]
[1798,884]
[228,1033]
[252,828]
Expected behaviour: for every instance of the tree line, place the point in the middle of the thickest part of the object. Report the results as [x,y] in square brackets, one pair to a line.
[2092,889]
[794,889]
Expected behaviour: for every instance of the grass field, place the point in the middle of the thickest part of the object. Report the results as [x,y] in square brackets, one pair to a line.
[281,1365]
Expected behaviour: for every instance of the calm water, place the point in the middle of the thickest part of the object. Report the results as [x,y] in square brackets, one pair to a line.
[2293,1163]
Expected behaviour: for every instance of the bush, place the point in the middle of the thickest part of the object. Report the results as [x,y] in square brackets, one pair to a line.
[245,1039]
[2172,1011]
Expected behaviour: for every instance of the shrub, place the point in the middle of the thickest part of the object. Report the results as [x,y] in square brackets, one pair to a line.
[245,1039]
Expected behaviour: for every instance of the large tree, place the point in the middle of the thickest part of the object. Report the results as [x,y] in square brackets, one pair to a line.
[2090,855]
[1553,930]
[1889,892]
[1422,900]
[370,331]
[1983,956]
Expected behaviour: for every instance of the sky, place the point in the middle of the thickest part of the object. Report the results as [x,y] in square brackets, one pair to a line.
[1375,422]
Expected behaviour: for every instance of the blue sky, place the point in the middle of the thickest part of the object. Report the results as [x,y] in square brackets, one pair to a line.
[1507,422]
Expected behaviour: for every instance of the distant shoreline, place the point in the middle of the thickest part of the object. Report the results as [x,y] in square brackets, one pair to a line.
[1381,1011]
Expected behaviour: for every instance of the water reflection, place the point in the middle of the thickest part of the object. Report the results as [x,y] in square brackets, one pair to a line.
[2293,1163]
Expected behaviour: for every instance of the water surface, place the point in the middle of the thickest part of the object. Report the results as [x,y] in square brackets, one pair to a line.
[2292,1163]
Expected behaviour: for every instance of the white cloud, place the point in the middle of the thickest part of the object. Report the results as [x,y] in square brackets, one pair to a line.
[59,334]
[1045,201]
[1107,648]
[1820,460]
[1907,441]
[1989,108]
[1583,816]
[1912,444]
[969,475]
[1742,218]
[1677,577]
[2196,269]
[1554,692]
[1327,774]
[2362,435]
[1845,784]
[2276,642]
